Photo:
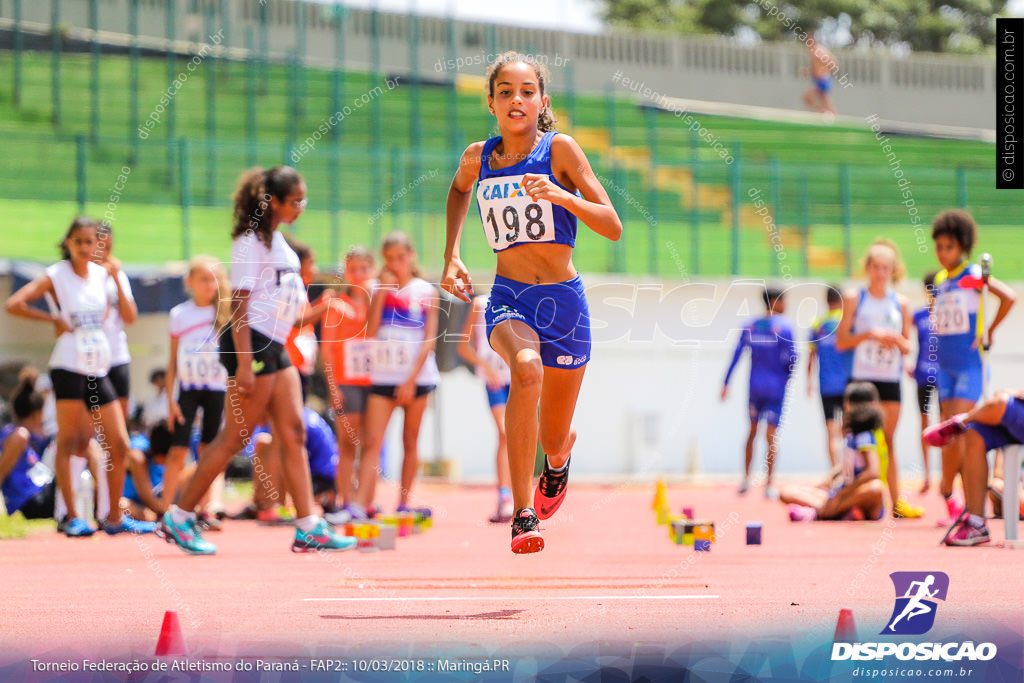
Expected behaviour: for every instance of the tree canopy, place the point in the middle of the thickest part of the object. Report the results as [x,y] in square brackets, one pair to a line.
[962,26]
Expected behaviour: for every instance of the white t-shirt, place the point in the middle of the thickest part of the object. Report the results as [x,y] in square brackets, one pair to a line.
[483,347]
[83,304]
[113,325]
[272,278]
[198,358]
[400,336]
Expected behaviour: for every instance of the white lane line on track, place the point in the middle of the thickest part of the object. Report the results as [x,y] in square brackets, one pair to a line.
[431,598]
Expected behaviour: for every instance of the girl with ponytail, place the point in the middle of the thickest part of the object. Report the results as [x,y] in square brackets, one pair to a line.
[266,300]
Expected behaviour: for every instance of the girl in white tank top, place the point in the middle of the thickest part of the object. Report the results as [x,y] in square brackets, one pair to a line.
[87,405]
[876,325]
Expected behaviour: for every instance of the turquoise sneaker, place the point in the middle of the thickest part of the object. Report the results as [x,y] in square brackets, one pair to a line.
[186,536]
[323,537]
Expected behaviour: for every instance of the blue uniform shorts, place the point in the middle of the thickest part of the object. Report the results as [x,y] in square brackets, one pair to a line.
[497,397]
[964,384]
[1009,431]
[558,313]
[767,409]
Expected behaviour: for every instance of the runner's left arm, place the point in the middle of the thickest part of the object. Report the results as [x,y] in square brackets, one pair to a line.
[569,163]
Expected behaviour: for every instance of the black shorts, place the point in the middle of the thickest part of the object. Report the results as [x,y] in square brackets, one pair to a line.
[40,506]
[927,394]
[388,390]
[322,485]
[887,391]
[832,406]
[121,377]
[268,356]
[354,397]
[159,440]
[190,401]
[94,391]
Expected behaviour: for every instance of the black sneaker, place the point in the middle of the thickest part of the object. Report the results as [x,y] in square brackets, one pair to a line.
[208,522]
[550,490]
[526,536]
[248,512]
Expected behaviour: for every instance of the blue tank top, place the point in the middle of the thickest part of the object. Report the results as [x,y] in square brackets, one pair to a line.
[833,365]
[926,368]
[156,479]
[957,302]
[853,454]
[321,445]
[22,483]
[509,216]
[772,356]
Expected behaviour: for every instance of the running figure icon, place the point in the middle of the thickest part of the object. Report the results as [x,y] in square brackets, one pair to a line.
[917,606]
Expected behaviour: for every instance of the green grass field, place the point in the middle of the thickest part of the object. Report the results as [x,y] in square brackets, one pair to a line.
[150,234]
[238,114]
[16,526]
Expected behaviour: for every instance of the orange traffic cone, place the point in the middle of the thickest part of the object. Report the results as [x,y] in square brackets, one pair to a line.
[846,630]
[660,498]
[172,640]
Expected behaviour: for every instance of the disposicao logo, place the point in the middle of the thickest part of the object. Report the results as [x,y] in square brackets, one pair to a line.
[917,596]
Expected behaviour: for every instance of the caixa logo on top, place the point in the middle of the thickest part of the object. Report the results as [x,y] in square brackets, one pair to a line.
[917,600]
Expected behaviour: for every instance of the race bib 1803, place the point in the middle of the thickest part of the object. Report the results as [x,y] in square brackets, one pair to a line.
[509,215]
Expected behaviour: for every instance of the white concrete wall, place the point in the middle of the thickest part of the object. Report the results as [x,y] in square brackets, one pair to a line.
[650,397]
[647,406]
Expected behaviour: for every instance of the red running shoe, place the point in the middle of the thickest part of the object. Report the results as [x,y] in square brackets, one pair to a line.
[526,536]
[550,490]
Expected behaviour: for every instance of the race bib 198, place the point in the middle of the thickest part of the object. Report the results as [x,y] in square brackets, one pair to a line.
[510,216]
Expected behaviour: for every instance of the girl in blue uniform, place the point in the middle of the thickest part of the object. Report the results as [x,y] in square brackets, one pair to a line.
[855,491]
[959,323]
[532,184]
[925,368]
[27,484]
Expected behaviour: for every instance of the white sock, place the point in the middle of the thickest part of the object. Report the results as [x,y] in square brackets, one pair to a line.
[307,524]
[976,521]
[556,470]
[179,516]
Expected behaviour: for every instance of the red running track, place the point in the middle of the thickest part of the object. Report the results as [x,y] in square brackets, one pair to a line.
[609,574]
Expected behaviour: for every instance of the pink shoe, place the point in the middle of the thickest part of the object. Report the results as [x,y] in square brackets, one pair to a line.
[954,508]
[965,534]
[802,513]
[944,432]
